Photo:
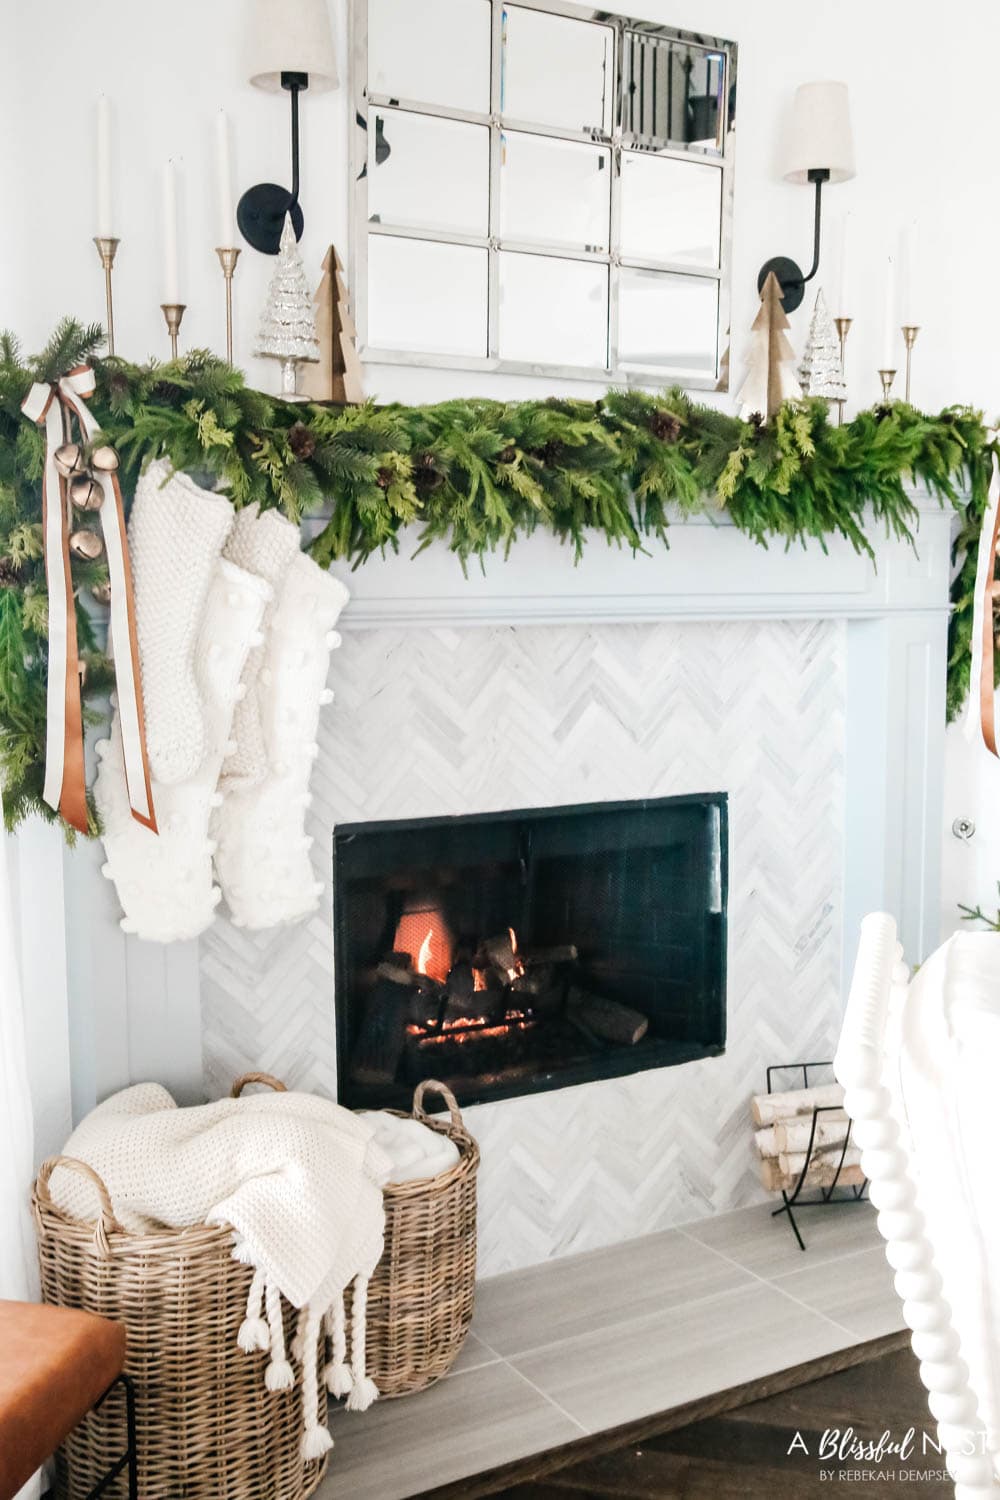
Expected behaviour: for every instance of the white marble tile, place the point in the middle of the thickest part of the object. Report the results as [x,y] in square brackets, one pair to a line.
[640,1368]
[460,1426]
[583,1293]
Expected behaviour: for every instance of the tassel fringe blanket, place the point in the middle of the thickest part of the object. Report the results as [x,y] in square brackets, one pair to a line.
[298,1178]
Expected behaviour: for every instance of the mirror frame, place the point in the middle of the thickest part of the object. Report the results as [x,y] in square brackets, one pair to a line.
[616,140]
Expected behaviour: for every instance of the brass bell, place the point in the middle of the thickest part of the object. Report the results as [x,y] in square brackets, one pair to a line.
[85,492]
[86,545]
[105,459]
[102,592]
[69,459]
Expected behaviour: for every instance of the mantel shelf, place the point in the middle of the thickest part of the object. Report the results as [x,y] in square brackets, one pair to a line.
[711,571]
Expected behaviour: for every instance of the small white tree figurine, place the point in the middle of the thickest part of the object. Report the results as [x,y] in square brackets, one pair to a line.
[821,373]
[287,326]
[770,378]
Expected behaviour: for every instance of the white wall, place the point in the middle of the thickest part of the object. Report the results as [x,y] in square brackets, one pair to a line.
[926,148]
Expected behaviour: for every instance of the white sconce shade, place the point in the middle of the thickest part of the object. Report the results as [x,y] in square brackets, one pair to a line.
[820,136]
[290,36]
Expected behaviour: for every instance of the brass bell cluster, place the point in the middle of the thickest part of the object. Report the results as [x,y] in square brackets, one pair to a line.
[85,491]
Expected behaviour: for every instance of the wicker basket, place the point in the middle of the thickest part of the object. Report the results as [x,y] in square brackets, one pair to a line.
[421,1295]
[207,1428]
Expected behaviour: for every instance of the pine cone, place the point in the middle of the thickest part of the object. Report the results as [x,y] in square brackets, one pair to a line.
[10,573]
[551,454]
[118,383]
[384,478]
[665,426]
[167,393]
[757,421]
[426,474]
[301,440]
[507,455]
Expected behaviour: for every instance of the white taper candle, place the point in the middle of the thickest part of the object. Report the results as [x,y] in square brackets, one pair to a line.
[225,175]
[171,273]
[105,218]
[890,325]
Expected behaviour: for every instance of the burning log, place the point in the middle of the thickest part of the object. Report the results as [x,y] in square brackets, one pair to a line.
[379,1048]
[606,1018]
[500,953]
[563,953]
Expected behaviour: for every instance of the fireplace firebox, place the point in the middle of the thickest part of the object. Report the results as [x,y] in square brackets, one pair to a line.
[519,951]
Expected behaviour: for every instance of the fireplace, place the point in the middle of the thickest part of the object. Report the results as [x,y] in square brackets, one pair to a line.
[520,951]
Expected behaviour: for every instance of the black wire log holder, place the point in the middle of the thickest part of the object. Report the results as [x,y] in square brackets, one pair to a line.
[794,1200]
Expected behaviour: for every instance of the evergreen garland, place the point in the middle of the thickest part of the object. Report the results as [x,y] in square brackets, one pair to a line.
[474,474]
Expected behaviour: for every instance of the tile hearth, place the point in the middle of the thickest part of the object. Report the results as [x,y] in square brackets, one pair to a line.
[591,1341]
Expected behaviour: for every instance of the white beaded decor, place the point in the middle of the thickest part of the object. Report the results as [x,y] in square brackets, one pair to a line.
[879,985]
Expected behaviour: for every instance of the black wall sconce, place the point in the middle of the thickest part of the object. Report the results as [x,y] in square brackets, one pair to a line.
[291,48]
[821,149]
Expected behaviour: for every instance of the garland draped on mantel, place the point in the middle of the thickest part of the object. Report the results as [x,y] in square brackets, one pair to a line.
[474,474]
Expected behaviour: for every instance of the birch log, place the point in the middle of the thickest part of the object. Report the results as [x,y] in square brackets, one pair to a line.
[768,1108]
[821,1175]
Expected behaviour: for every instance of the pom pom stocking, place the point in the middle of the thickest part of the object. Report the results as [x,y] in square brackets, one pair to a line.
[265,544]
[175,534]
[263,859]
[164,881]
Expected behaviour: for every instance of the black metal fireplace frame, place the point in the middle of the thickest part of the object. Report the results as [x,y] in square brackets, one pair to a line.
[663,1054]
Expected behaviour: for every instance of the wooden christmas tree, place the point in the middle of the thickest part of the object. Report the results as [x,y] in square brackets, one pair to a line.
[821,373]
[338,374]
[770,377]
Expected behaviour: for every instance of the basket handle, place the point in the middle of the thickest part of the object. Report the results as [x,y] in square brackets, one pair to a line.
[430,1085]
[103,1226]
[245,1079]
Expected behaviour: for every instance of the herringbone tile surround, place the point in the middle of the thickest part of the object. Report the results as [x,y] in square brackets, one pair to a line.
[430,722]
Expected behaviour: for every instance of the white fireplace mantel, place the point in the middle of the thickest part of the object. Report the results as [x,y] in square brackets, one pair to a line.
[709,571]
[896,612]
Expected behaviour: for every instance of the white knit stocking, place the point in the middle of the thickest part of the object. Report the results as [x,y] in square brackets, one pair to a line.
[262,859]
[266,544]
[164,881]
[175,534]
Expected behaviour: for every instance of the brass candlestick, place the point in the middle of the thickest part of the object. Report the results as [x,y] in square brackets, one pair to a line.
[843,327]
[227,260]
[887,377]
[910,331]
[107,248]
[173,312]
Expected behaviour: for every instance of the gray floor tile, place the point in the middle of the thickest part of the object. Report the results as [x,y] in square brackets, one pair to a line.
[474,1353]
[647,1366]
[856,1291]
[460,1426]
[583,1293]
[766,1245]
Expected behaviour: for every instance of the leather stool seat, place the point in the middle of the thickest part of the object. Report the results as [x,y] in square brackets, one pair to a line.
[55,1365]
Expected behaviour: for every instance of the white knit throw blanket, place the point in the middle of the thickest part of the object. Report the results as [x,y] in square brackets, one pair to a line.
[297,1177]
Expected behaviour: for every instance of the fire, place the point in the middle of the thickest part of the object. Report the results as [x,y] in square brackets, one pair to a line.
[478,981]
[517,968]
[424,935]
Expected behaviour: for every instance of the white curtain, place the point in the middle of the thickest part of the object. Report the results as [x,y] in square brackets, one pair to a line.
[18,1264]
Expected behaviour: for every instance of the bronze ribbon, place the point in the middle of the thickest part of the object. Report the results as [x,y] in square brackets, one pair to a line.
[50,405]
[987,689]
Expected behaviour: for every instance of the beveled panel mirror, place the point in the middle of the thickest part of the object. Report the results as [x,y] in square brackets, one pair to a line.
[543,188]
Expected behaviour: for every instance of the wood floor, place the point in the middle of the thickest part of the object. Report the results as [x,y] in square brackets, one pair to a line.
[745,1453]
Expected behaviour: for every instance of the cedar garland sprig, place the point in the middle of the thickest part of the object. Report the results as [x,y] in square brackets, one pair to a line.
[474,474]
